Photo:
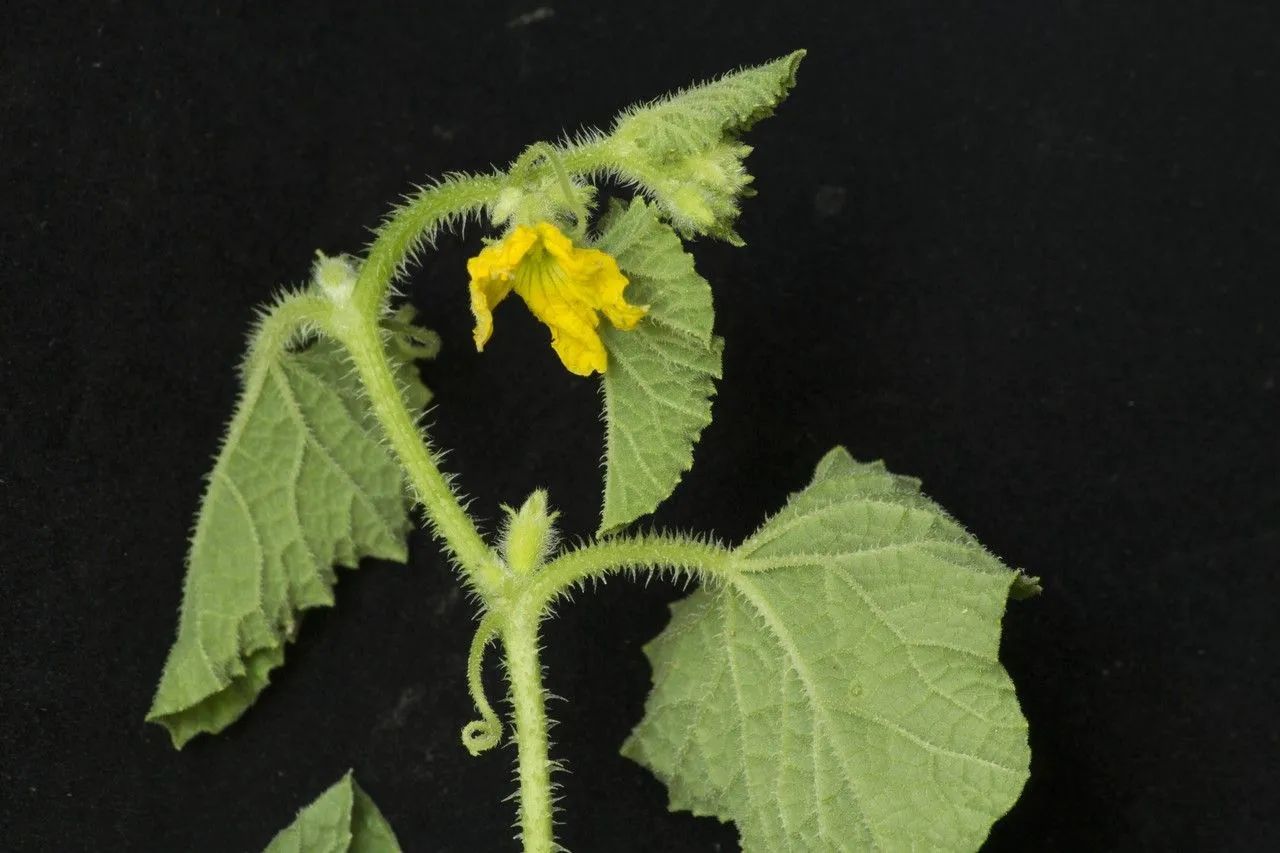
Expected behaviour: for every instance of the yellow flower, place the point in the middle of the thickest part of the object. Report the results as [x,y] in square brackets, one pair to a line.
[563,286]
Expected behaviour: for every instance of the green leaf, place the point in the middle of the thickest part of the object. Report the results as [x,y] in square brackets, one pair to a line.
[693,119]
[341,820]
[661,375]
[683,152]
[302,483]
[841,690]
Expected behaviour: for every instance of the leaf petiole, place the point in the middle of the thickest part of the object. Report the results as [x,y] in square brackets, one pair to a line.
[680,555]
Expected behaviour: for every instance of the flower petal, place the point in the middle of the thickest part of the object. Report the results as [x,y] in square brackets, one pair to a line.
[558,301]
[605,282]
[485,294]
[492,273]
[563,286]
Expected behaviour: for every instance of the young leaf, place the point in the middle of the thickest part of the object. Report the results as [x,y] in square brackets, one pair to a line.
[341,820]
[683,150]
[303,482]
[694,119]
[661,376]
[842,690]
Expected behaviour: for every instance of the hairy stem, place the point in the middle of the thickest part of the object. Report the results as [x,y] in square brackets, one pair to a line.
[586,158]
[524,670]
[286,322]
[551,154]
[412,224]
[612,555]
[456,197]
[450,522]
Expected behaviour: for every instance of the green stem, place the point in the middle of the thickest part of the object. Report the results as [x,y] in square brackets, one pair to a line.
[459,196]
[587,158]
[613,555]
[414,223]
[285,323]
[515,605]
[524,670]
[451,523]
[524,165]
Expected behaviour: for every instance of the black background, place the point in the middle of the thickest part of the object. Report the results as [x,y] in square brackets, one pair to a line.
[1027,252]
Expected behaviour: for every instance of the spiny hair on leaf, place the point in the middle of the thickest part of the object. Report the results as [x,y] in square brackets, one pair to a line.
[764,98]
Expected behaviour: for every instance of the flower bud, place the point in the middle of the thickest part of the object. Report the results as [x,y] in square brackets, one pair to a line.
[336,277]
[530,534]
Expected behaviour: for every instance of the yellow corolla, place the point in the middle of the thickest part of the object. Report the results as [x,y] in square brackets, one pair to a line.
[564,286]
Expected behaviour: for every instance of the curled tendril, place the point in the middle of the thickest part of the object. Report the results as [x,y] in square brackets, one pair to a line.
[485,733]
[481,735]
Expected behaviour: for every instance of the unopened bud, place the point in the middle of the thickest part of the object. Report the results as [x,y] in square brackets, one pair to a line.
[530,534]
[335,276]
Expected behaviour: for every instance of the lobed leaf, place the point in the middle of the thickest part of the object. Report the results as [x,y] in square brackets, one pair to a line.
[842,690]
[341,820]
[302,483]
[661,376]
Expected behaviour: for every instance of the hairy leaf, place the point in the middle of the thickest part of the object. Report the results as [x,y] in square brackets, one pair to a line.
[341,820]
[302,483]
[661,376]
[841,690]
[693,119]
[683,150]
